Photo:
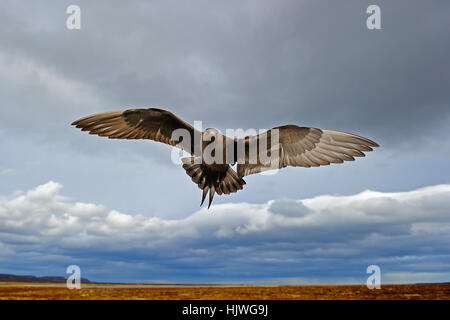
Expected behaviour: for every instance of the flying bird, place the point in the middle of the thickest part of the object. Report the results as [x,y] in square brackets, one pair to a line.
[294,146]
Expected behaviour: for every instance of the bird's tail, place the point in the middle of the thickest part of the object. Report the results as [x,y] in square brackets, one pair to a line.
[207,178]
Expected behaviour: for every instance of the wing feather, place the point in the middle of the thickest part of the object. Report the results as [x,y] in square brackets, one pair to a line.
[153,124]
[309,147]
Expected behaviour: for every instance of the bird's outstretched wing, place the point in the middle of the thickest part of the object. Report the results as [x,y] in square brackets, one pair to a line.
[306,147]
[154,124]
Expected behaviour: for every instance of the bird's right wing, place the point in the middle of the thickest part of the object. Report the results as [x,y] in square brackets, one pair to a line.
[154,124]
[305,147]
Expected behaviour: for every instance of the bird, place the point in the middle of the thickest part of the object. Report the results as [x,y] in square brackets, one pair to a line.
[213,171]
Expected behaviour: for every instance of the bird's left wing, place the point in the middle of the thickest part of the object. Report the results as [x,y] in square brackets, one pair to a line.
[154,124]
[305,147]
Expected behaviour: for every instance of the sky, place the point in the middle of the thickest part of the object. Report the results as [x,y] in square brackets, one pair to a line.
[123,212]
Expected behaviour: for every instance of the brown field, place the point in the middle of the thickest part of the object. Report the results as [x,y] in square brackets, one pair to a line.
[438,291]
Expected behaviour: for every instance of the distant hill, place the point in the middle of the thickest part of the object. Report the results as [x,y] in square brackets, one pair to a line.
[34,279]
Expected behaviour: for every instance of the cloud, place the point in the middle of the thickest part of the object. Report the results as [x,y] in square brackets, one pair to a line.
[6,171]
[232,65]
[37,97]
[326,238]
[253,65]
[270,63]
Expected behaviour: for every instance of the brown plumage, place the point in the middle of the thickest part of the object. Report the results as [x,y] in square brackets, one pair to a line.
[296,147]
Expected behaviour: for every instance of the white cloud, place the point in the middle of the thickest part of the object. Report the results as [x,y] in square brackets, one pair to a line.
[365,228]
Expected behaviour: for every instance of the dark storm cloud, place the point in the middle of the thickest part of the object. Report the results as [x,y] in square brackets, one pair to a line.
[307,62]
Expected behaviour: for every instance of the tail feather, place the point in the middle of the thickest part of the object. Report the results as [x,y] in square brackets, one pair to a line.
[221,181]
[211,195]
[205,192]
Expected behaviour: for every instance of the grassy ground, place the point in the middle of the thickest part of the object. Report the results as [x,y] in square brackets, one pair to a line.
[60,292]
